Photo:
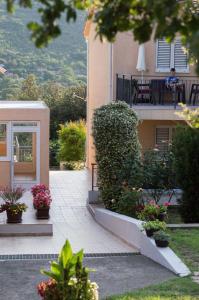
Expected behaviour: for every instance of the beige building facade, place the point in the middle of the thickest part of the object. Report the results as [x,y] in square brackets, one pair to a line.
[24,143]
[113,66]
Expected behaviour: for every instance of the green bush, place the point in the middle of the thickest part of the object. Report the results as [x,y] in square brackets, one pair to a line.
[158,174]
[129,202]
[186,163]
[117,145]
[54,150]
[72,138]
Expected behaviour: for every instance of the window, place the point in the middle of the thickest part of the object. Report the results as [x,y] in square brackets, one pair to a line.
[25,124]
[3,140]
[164,137]
[171,56]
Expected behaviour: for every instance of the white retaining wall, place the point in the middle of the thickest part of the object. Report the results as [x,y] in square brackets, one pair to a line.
[130,230]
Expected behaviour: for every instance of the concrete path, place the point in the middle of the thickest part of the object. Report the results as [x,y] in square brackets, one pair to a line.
[114,275]
[71,220]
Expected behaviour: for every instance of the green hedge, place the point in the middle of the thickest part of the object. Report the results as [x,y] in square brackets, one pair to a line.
[186,152]
[117,149]
[72,138]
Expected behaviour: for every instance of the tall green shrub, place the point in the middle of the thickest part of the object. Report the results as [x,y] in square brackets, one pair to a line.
[72,138]
[186,155]
[117,146]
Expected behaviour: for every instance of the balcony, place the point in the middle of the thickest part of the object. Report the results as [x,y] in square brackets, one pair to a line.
[151,91]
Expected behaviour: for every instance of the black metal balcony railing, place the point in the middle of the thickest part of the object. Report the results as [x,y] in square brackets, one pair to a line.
[154,90]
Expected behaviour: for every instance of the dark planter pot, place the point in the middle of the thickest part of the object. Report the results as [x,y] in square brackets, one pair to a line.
[34,206]
[42,213]
[162,216]
[150,232]
[14,218]
[152,218]
[162,244]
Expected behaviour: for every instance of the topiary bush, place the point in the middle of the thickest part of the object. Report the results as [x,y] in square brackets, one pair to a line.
[186,164]
[72,138]
[117,150]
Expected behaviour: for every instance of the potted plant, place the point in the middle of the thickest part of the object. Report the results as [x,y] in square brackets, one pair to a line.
[161,238]
[42,203]
[69,279]
[149,212]
[37,188]
[163,211]
[153,226]
[13,208]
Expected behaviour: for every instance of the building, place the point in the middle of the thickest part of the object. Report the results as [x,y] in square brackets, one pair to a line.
[24,143]
[112,75]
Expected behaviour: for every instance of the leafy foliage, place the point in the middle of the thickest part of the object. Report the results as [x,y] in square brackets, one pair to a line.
[72,138]
[158,174]
[186,163]
[129,202]
[155,225]
[191,116]
[65,103]
[69,278]
[161,236]
[63,61]
[116,142]
[146,19]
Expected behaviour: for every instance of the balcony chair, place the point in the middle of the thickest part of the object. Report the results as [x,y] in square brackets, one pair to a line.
[194,93]
[141,92]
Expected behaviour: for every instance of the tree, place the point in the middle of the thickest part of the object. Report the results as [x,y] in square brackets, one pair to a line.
[186,163]
[9,87]
[145,18]
[29,89]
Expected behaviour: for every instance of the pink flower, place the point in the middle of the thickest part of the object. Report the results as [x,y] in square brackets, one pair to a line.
[167,204]
[39,188]
[42,200]
[152,202]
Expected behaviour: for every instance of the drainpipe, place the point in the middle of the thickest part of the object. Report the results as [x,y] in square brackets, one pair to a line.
[87,109]
[110,87]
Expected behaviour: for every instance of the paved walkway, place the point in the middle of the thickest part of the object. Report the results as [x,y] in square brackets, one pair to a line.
[114,275]
[71,220]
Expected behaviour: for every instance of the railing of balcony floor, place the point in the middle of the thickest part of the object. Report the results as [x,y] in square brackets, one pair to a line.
[94,176]
[153,91]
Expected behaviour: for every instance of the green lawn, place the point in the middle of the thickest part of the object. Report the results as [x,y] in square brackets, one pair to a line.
[186,244]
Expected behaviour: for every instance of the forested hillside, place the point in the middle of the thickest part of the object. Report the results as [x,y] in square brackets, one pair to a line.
[64,61]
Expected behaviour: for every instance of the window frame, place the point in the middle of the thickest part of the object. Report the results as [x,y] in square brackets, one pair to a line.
[170,127]
[8,141]
[172,55]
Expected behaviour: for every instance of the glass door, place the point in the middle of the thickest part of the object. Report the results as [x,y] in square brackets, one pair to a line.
[25,156]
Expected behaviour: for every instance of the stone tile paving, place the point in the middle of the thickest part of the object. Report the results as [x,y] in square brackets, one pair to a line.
[71,220]
[114,275]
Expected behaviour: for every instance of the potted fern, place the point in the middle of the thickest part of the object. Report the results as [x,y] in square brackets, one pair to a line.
[13,208]
[153,226]
[161,238]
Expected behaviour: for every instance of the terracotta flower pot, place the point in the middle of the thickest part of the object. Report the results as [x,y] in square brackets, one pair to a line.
[43,213]
[162,244]
[14,218]
[150,232]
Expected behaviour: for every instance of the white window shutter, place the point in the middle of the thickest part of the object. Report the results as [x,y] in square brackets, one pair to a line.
[180,57]
[163,56]
[162,138]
